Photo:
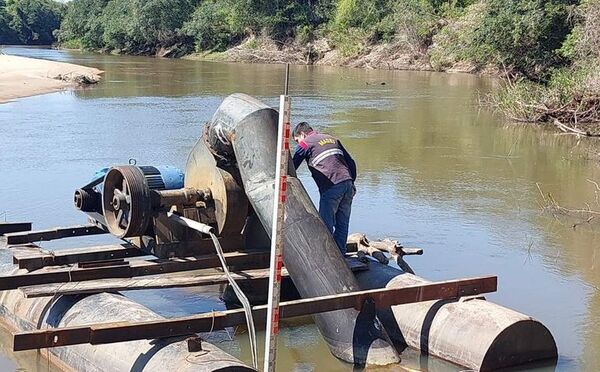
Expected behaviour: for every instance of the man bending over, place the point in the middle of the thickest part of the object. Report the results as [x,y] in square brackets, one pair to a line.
[334,172]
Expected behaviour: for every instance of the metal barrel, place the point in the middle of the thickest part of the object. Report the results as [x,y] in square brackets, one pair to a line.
[471,332]
[169,354]
[244,130]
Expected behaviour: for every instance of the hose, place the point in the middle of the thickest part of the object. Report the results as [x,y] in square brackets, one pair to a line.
[205,229]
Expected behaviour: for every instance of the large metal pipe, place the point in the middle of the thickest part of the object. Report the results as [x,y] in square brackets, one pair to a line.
[245,130]
[171,354]
[474,333]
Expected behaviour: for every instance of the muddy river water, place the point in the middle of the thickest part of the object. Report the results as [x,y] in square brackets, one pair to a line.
[435,172]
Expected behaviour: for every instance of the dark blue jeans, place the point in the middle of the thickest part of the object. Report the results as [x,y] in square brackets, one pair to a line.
[334,208]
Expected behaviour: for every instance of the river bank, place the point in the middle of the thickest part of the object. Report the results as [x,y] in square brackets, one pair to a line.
[322,52]
[24,77]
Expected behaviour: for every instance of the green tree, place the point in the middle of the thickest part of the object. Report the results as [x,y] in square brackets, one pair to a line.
[212,27]
[160,20]
[82,25]
[216,24]
[137,26]
[279,19]
[130,26]
[360,13]
[34,21]
[7,34]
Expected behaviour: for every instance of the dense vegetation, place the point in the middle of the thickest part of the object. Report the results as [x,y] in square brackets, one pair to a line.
[138,26]
[29,21]
[549,49]
[523,36]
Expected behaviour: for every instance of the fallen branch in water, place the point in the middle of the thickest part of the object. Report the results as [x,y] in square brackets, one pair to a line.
[568,129]
[583,215]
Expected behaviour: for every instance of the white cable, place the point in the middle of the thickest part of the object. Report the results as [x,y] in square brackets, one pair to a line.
[243,299]
[236,289]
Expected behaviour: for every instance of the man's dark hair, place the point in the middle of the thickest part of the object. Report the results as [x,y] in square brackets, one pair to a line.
[302,127]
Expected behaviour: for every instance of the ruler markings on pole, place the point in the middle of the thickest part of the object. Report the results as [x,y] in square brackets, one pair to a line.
[279,201]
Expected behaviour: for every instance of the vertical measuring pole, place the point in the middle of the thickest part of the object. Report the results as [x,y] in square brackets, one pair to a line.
[283,148]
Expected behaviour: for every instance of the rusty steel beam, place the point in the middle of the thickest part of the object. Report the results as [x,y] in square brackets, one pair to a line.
[136,268]
[103,263]
[162,281]
[52,234]
[13,227]
[128,331]
[29,261]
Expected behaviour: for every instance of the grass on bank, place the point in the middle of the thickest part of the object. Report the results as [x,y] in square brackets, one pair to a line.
[571,97]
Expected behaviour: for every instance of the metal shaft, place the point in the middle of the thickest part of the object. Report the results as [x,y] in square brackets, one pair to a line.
[185,196]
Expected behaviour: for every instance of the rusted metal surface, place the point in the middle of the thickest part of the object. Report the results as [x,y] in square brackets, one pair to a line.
[33,259]
[162,281]
[131,284]
[129,331]
[19,250]
[136,268]
[186,196]
[51,234]
[194,344]
[22,314]
[185,248]
[228,198]
[170,354]
[103,263]
[13,227]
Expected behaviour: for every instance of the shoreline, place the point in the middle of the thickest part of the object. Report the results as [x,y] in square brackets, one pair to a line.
[382,56]
[319,52]
[24,77]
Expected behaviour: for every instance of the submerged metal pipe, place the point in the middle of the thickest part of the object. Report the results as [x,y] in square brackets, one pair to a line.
[474,333]
[170,354]
[244,130]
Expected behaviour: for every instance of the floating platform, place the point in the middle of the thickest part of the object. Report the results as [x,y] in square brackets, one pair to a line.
[86,282]
[215,216]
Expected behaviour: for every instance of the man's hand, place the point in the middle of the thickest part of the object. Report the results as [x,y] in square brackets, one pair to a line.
[353,189]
